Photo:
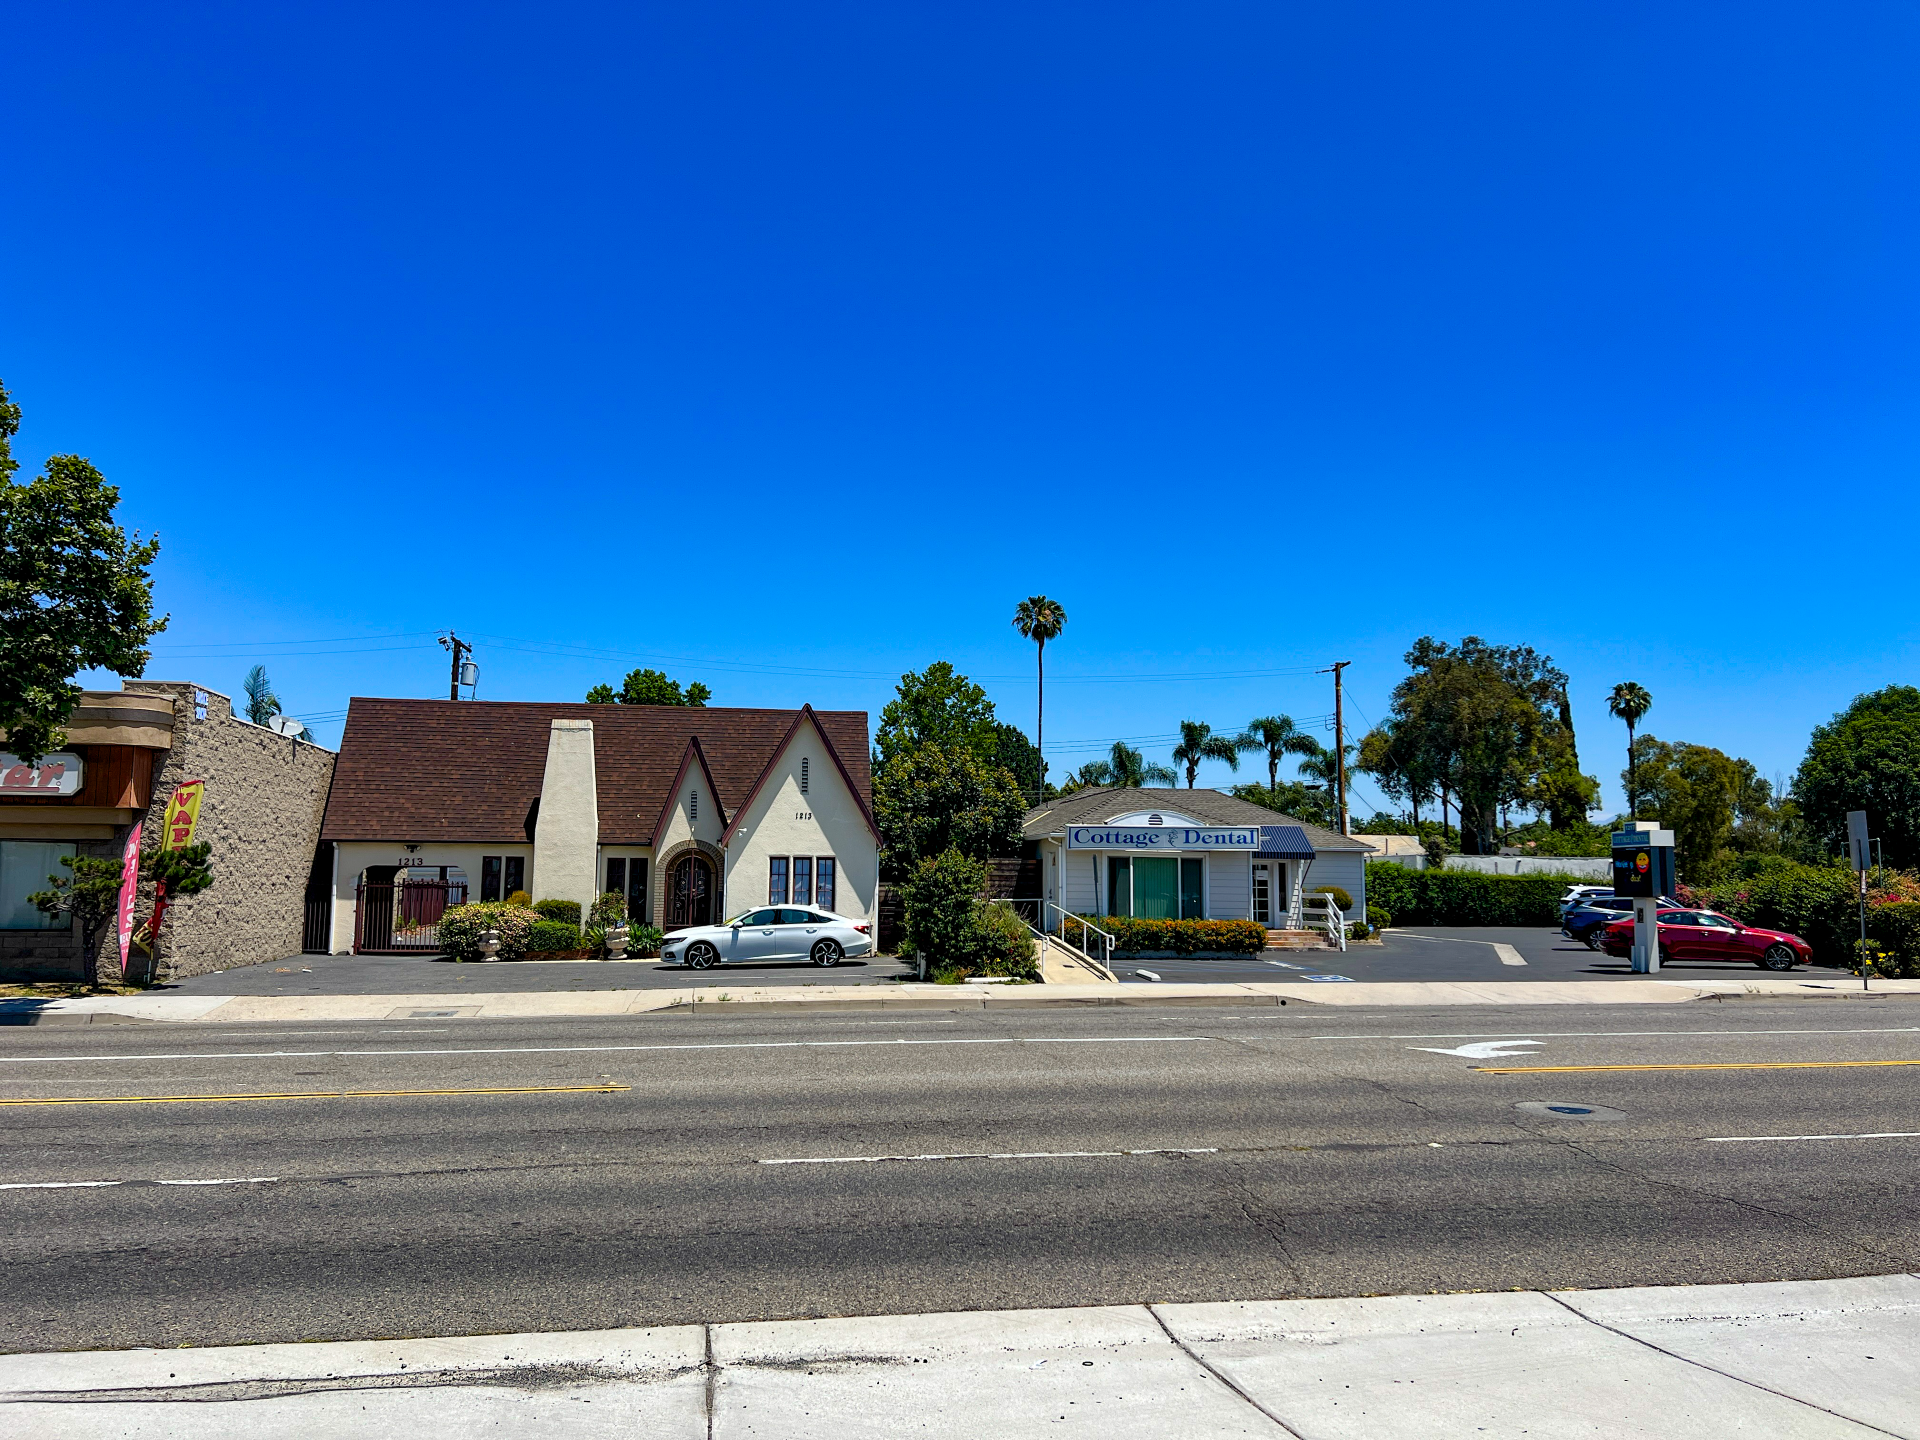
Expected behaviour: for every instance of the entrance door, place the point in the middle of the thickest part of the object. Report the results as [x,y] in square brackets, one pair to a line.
[1156,887]
[1262,894]
[690,893]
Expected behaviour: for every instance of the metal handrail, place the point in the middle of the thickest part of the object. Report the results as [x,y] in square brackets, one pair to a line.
[1046,912]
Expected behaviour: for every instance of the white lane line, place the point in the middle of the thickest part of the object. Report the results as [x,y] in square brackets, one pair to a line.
[1508,955]
[601,1049]
[1871,1135]
[1009,1155]
[105,1184]
[1588,1034]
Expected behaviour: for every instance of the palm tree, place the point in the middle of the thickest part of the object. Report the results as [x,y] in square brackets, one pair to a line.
[262,703]
[1094,775]
[1630,702]
[1040,620]
[1129,769]
[1198,742]
[1278,736]
[1320,766]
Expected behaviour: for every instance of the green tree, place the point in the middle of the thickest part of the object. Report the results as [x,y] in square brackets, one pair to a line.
[1866,758]
[651,687]
[1320,768]
[1130,770]
[1198,742]
[1020,758]
[936,706]
[90,895]
[1630,702]
[1692,789]
[75,592]
[262,703]
[1040,620]
[944,797]
[1293,799]
[1279,737]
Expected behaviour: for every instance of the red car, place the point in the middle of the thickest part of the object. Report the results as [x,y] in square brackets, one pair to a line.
[1705,935]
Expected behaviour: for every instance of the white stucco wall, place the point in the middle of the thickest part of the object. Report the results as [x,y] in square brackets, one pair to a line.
[566,837]
[826,820]
[706,825]
[628,853]
[354,856]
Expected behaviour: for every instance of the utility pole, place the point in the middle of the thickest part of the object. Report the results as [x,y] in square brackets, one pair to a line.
[1339,745]
[460,649]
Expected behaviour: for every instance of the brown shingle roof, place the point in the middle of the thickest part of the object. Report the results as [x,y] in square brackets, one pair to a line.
[470,770]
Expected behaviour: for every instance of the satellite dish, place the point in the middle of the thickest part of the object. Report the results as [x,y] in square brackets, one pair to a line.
[286,725]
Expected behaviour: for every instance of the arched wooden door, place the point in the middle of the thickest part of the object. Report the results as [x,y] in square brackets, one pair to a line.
[690,893]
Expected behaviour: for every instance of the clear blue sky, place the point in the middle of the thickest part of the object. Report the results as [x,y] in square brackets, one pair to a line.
[800,342]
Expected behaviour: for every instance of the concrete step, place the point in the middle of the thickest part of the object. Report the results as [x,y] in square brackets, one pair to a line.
[1296,940]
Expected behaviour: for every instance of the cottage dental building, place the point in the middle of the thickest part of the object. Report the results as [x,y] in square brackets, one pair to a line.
[1187,855]
[692,814]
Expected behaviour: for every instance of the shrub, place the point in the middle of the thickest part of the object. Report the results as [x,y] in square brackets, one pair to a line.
[461,926]
[550,935]
[1359,930]
[644,939]
[608,910]
[1897,928]
[1007,946]
[1340,896]
[593,939]
[520,897]
[567,911]
[1380,917]
[940,898]
[1463,897]
[1183,937]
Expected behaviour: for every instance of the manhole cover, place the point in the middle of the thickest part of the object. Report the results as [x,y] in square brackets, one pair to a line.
[1570,1110]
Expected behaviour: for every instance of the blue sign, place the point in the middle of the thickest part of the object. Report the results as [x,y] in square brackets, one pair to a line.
[1165,838]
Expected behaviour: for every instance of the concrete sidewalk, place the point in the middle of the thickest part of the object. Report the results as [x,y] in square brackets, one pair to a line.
[1814,1358]
[720,999]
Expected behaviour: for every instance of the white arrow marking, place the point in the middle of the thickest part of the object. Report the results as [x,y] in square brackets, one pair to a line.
[1482,1049]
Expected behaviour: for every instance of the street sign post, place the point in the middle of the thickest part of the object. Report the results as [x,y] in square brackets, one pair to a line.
[1858,843]
[1643,872]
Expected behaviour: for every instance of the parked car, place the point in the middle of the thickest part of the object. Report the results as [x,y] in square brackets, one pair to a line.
[774,932]
[1588,920]
[1708,935]
[1582,894]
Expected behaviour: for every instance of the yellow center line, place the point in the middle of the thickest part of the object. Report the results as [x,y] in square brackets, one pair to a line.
[1728,1065]
[313,1095]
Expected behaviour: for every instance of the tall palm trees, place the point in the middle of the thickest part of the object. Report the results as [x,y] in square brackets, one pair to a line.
[1278,736]
[1131,771]
[1040,620]
[1629,702]
[1198,742]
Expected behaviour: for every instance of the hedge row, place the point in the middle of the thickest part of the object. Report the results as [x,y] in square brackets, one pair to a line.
[1464,897]
[1183,937]
[1820,904]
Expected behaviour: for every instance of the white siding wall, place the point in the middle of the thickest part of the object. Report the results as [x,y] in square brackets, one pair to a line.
[1348,870]
[1229,887]
[1080,881]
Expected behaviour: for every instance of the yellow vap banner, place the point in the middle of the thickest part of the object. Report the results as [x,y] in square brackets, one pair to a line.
[183,815]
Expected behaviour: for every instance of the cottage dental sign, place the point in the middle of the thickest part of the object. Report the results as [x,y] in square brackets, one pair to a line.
[1172,837]
[55,775]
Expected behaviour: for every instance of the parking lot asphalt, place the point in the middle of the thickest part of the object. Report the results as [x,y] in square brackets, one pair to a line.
[1468,953]
[424,975]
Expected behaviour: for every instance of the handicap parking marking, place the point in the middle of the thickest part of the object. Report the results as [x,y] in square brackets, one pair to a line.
[1344,979]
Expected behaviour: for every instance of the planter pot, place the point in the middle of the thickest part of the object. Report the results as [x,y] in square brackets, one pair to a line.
[617,943]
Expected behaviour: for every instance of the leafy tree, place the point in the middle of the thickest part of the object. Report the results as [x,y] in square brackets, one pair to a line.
[1094,775]
[1040,620]
[1198,742]
[1630,702]
[959,932]
[943,797]
[262,703]
[1293,799]
[1866,758]
[90,895]
[1019,757]
[651,687]
[75,593]
[937,706]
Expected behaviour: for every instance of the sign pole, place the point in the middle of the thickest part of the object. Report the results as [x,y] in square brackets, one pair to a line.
[1858,844]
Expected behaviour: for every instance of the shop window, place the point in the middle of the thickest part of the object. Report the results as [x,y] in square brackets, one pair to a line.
[516,873]
[1263,894]
[25,866]
[637,899]
[823,869]
[616,875]
[1156,887]
[489,877]
[802,880]
[777,880]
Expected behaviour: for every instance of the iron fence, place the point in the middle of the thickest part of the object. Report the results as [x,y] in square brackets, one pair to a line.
[402,918]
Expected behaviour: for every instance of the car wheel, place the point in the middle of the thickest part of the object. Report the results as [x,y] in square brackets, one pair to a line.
[827,953]
[702,956]
[1593,939]
[1779,957]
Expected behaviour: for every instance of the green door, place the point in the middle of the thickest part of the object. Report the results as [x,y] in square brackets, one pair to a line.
[1156,888]
[1190,907]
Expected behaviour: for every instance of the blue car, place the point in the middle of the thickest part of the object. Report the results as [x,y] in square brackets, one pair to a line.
[1587,922]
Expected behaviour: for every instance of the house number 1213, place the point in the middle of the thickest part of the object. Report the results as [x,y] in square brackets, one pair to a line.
[803,814]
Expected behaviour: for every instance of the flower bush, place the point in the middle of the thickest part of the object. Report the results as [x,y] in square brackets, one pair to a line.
[1183,937]
[462,925]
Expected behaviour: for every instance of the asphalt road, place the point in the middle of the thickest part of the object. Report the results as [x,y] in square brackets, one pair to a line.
[1120,1156]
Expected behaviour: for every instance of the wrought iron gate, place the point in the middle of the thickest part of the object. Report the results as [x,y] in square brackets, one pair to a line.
[402,918]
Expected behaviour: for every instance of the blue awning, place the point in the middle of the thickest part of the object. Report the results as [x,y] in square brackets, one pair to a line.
[1284,842]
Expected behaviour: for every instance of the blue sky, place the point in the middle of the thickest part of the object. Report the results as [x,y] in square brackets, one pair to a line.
[800,343]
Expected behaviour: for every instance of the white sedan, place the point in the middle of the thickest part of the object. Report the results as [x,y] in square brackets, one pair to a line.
[777,932]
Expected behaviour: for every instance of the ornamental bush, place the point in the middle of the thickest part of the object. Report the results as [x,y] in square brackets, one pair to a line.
[958,932]
[551,935]
[1897,928]
[460,928]
[566,911]
[1132,934]
[1463,897]
[644,939]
